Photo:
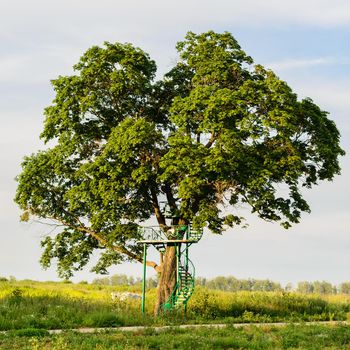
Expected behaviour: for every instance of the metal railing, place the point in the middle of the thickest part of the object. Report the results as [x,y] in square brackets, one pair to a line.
[182,237]
[174,232]
[184,286]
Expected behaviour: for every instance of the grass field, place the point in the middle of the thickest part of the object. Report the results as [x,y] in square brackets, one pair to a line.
[28,309]
[50,305]
[289,337]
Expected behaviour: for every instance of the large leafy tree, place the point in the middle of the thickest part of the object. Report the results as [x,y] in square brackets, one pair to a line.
[215,133]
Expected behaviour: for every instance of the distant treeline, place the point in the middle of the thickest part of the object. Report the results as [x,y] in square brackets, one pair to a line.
[124,280]
[233,284]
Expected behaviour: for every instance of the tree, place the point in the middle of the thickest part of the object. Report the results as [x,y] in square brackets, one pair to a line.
[215,133]
[288,287]
[305,287]
[323,287]
[104,281]
[121,279]
[344,288]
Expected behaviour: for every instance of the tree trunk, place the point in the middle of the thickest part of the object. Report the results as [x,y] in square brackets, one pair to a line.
[167,279]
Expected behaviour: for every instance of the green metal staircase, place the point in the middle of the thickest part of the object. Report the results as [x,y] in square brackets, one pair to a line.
[184,286]
[182,237]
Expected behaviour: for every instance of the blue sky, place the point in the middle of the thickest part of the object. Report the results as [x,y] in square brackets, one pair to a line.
[305,42]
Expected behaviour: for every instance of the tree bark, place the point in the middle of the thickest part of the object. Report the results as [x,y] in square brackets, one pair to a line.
[167,279]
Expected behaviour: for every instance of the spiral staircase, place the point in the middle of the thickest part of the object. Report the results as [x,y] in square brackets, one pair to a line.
[182,237]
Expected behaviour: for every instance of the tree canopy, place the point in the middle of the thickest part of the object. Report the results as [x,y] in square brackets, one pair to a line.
[215,133]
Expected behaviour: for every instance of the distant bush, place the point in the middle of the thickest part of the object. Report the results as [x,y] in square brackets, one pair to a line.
[124,280]
[102,281]
[344,288]
[317,287]
[232,284]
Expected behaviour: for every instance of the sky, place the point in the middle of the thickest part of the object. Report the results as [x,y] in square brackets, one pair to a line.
[306,43]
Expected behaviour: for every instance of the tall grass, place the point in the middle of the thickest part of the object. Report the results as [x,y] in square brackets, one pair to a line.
[59,305]
[267,306]
[50,305]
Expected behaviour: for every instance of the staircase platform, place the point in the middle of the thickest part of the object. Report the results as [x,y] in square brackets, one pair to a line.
[181,238]
[167,241]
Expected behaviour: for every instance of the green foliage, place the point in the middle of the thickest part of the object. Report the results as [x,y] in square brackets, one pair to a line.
[102,281]
[124,280]
[288,337]
[233,284]
[83,282]
[344,288]
[318,287]
[29,332]
[104,319]
[216,129]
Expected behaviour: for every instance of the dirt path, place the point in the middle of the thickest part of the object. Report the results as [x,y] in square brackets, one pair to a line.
[194,326]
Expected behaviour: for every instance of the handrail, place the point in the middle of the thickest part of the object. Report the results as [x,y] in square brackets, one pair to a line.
[175,232]
[152,233]
[190,268]
[176,235]
[181,288]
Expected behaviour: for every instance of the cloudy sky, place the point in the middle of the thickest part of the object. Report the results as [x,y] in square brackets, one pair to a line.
[305,42]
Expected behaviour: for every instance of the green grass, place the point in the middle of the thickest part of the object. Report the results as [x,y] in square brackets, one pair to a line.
[29,304]
[38,305]
[289,337]
[52,312]
[267,306]
[28,309]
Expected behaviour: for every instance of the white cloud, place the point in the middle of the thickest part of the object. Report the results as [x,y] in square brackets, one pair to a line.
[330,91]
[290,64]
[36,66]
[44,38]
[78,18]
[332,94]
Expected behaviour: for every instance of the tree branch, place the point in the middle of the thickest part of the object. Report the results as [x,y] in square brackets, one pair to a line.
[211,140]
[159,215]
[82,228]
[170,198]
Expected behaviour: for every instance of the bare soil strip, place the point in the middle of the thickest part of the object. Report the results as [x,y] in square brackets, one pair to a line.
[194,326]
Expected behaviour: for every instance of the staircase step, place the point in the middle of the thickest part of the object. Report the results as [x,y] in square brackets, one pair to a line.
[183,295]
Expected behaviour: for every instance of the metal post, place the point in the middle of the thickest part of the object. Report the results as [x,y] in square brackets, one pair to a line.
[186,260]
[186,252]
[177,250]
[144,279]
